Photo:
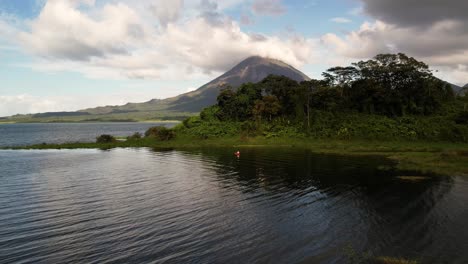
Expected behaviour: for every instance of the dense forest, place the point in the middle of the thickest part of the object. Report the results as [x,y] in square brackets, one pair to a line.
[391,96]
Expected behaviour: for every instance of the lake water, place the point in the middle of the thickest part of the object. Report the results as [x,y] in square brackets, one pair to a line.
[207,206]
[28,134]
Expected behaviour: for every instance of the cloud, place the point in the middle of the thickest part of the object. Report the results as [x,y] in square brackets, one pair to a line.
[118,40]
[167,11]
[27,103]
[437,45]
[416,13]
[432,31]
[210,13]
[11,105]
[217,48]
[268,7]
[62,31]
[340,20]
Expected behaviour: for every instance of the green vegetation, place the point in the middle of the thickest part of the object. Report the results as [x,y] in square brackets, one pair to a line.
[105,139]
[392,97]
[160,133]
[391,106]
[135,136]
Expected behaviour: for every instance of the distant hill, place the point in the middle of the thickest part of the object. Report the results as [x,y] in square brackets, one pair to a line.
[458,89]
[464,90]
[253,69]
[455,87]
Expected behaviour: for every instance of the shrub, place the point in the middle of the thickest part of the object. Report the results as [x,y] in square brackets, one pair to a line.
[160,133]
[105,139]
[135,136]
[192,121]
[462,118]
[210,113]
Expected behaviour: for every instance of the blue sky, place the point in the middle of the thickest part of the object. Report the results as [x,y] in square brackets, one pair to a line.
[72,54]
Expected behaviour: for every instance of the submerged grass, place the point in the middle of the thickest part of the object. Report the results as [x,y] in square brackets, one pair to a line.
[442,158]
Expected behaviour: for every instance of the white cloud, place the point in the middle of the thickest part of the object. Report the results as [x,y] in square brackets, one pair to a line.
[119,40]
[190,89]
[456,75]
[341,20]
[27,103]
[11,105]
[366,42]
[442,45]
[62,31]
[167,11]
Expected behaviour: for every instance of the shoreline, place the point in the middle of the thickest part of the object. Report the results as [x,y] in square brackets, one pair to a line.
[94,122]
[443,158]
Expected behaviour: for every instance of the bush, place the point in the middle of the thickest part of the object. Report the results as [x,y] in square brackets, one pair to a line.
[160,133]
[210,113]
[192,121]
[135,136]
[462,118]
[105,139]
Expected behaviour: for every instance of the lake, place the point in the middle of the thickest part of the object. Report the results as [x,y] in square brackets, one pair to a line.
[56,133]
[208,206]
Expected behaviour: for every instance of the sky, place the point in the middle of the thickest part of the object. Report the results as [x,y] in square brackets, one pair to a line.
[66,55]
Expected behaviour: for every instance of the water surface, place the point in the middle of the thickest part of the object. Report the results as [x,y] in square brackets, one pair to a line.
[207,206]
[56,133]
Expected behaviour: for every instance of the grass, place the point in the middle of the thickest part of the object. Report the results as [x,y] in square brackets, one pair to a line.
[412,178]
[389,260]
[442,158]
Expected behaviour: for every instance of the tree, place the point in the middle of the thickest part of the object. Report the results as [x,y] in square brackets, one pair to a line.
[305,96]
[160,133]
[272,106]
[341,76]
[258,111]
[106,139]
[226,102]
[284,89]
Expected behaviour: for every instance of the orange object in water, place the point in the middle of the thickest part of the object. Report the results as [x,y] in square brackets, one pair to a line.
[237,153]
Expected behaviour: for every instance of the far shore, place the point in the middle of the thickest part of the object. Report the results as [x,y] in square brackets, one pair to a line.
[92,122]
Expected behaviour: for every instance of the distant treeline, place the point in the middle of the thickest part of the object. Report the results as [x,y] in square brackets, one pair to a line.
[60,114]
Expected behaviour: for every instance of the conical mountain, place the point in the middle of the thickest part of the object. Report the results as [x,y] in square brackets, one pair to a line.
[253,69]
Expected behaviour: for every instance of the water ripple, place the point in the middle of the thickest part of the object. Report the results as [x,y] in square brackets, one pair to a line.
[138,205]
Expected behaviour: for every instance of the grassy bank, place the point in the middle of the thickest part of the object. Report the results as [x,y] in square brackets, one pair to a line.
[436,157]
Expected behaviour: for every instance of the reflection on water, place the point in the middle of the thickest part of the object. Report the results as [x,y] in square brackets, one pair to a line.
[269,205]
